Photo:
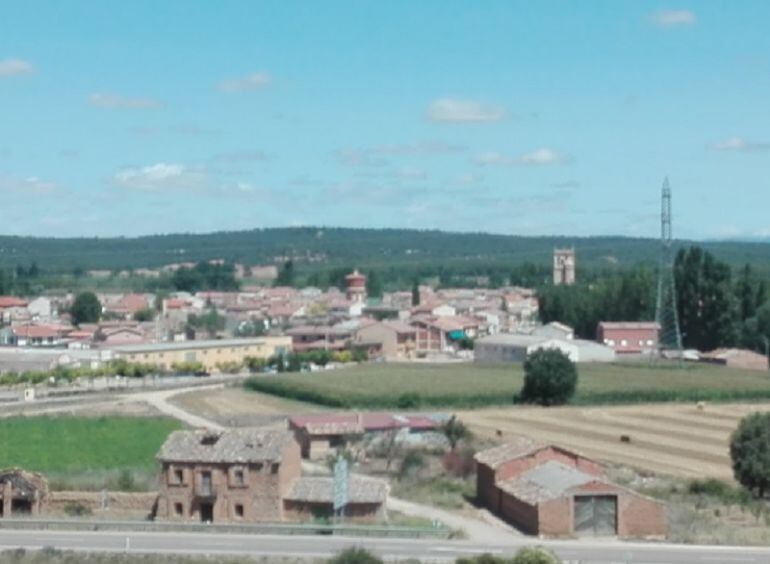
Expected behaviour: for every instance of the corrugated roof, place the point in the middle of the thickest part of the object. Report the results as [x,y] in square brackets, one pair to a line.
[546,481]
[233,446]
[321,490]
[496,456]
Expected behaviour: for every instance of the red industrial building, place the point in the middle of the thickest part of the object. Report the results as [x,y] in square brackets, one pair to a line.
[549,491]
[626,337]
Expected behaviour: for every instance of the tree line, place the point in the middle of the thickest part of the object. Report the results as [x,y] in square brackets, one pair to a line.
[716,307]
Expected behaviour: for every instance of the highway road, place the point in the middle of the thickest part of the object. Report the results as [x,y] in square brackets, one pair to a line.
[583,551]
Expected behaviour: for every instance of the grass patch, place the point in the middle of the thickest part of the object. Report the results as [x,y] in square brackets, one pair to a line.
[85,452]
[438,491]
[393,386]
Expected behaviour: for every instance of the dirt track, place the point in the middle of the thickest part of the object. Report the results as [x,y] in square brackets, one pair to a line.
[675,439]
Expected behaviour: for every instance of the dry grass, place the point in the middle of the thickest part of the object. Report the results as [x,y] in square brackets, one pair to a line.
[675,439]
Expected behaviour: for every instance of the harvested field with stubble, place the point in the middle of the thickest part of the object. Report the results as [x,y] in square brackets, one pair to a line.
[675,439]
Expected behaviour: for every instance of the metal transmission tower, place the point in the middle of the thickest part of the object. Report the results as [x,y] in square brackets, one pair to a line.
[670,338]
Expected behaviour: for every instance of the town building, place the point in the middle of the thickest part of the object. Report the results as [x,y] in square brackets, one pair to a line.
[511,347]
[355,287]
[211,354]
[320,434]
[629,337]
[549,491]
[251,475]
[554,330]
[397,340]
[563,267]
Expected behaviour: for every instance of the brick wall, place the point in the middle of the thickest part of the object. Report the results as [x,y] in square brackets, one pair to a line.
[259,497]
[518,466]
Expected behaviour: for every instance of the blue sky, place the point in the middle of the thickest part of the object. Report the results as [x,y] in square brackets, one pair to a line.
[127,118]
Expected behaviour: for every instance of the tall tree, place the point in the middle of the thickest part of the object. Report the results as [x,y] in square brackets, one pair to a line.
[373,284]
[416,293]
[86,308]
[705,300]
[286,274]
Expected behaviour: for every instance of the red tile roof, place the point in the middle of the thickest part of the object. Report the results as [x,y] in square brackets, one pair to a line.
[11,301]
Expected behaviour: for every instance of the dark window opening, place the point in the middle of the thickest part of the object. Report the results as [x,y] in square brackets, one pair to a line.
[274,468]
[207,513]
[178,509]
[206,488]
[239,477]
[239,510]
[178,476]
[21,506]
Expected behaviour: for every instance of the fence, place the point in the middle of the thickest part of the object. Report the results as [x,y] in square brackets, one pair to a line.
[439,532]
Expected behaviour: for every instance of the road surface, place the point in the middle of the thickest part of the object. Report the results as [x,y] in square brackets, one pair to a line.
[584,551]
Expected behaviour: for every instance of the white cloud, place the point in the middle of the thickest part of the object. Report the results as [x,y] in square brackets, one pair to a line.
[468,179]
[241,84]
[161,177]
[242,157]
[538,157]
[739,145]
[416,149]
[113,101]
[541,157]
[455,110]
[31,185]
[14,67]
[357,157]
[673,18]
[410,173]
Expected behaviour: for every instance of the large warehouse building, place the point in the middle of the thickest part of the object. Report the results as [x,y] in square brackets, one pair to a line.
[209,353]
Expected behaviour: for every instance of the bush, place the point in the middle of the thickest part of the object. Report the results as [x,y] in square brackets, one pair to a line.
[535,556]
[550,378]
[408,400]
[720,491]
[355,555]
[413,462]
[750,453]
[460,464]
[126,482]
[77,510]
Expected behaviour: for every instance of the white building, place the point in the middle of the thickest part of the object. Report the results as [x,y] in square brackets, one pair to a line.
[507,347]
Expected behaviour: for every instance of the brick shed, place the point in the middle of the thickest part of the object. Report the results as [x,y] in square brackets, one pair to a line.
[549,491]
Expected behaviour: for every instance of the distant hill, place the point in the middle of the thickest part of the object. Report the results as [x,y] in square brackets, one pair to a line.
[364,248]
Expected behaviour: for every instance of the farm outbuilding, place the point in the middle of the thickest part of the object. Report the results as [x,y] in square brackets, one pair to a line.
[22,493]
[549,491]
[509,347]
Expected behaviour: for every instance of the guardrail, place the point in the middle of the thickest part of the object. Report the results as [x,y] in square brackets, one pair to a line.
[440,532]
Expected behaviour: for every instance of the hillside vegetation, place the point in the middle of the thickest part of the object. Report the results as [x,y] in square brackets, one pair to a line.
[342,246]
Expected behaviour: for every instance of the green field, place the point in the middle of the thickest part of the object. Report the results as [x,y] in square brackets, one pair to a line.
[84,451]
[385,386]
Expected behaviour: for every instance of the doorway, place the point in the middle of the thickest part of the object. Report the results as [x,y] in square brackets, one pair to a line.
[207,512]
[596,515]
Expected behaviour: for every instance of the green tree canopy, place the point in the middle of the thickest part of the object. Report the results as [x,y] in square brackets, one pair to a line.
[86,308]
[550,378]
[750,453]
[705,298]
[286,274]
